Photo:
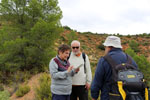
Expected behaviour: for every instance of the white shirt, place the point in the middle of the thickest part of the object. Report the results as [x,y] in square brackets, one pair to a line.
[81,78]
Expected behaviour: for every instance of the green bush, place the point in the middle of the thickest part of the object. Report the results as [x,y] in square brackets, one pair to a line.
[22,90]
[43,91]
[125,42]
[1,87]
[71,36]
[143,35]
[62,38]
[145,43]
[67,27]
[4,95]
[129,36]
[101,46]
[84,47]
[87,32]
[130,52]
[134,45]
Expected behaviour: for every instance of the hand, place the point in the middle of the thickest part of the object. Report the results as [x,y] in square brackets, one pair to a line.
[70,68]
[77,70]
[87,86]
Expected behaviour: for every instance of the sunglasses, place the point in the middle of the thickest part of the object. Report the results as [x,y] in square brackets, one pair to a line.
[75,47]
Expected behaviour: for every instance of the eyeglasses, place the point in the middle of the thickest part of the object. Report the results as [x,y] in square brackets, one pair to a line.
[75,47]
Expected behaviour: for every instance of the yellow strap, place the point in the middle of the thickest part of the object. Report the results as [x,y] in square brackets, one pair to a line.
[121,90]
[146,94]
[112,94]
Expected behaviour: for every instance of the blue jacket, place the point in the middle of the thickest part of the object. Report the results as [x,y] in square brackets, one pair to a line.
[103,74]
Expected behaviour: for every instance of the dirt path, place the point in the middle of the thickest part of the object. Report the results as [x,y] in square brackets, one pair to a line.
[30,95]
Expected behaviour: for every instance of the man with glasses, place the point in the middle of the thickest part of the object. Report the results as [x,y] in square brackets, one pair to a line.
[82,80]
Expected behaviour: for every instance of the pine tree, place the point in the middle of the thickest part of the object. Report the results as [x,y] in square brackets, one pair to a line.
[29,30]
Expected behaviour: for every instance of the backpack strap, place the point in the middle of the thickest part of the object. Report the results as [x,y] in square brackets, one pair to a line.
[84,58]
[129,60]
[109,59]
[146,94]
[112,62]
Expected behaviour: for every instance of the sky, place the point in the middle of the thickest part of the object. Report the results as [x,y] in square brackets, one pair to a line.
[107,16]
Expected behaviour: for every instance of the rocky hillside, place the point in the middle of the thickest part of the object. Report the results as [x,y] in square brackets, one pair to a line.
[92,43]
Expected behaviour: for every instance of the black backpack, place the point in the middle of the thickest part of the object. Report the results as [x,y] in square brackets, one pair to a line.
[127,81]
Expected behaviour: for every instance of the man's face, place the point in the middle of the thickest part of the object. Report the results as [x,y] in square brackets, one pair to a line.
[75,48]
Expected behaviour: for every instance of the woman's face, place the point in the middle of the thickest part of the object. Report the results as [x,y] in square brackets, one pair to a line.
[64,55]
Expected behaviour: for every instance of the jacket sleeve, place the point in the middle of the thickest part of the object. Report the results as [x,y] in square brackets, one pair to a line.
[72,73]
[88,71]
[98,80]
[54,71]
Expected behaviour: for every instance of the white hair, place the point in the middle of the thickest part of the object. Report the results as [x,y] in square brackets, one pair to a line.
[75,41]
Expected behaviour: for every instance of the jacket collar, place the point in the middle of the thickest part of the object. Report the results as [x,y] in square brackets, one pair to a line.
[61,61]
[115,49]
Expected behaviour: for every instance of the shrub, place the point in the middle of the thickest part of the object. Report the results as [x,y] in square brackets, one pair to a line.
[145,43]
[67,27]
[101,46]
[22,90]
[71,36]
[4,95]
[87,33]
[43,92]
[129,36]
[134,45]
[62,38]
[84,47]
[125,42]
[1,87]
[130,52]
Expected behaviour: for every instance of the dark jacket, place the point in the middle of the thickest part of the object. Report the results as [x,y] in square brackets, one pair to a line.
[101,81]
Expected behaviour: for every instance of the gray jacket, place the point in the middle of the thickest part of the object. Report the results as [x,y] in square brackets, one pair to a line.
[61,81]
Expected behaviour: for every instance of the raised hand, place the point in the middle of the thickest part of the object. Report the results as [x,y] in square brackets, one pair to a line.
[70,68]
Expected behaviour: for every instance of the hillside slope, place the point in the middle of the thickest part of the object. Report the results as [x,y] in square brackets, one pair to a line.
[32,82]
[91,44]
